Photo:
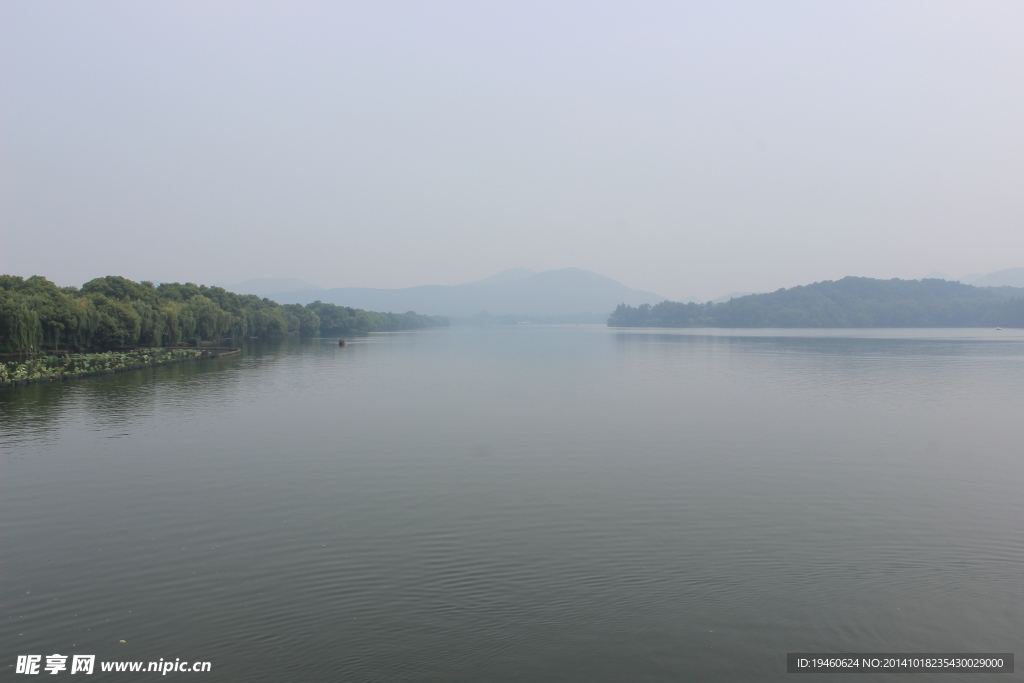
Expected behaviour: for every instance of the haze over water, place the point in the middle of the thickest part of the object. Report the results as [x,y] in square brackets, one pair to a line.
[524,503]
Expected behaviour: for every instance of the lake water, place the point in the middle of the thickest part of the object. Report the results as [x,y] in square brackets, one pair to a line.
[527,503]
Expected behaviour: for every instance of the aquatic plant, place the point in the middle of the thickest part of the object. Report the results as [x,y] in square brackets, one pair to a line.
[76,364]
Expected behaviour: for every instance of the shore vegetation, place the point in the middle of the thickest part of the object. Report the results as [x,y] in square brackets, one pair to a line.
[114,312]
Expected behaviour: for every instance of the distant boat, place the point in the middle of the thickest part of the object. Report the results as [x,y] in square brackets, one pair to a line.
[999,328]
[341,342]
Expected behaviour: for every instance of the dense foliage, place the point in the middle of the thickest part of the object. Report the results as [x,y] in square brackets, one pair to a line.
[850,302]
[112,312]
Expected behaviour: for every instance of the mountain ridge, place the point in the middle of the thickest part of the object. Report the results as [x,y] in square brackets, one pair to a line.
[849,302]
[1008,277]
[550,294]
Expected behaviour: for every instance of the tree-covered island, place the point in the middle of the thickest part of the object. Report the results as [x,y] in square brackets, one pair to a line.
[114,313]
[850,302]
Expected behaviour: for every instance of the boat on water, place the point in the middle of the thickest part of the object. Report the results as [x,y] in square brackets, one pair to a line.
[341,342]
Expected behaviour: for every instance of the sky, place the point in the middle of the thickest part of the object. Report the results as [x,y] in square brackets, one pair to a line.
[686,148]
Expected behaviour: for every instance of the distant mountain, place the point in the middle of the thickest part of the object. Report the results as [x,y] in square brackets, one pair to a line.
[1011,277]
[265,287]
[510,275]
[569,294]
[730,295]
[719,300]
[850,302]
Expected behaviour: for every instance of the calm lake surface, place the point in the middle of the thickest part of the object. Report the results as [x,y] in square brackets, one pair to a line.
[528,503]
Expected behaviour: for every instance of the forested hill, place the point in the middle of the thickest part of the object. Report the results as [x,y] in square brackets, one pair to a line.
[850,302]
[113,312]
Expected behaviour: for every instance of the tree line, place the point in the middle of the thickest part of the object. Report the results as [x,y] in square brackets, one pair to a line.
[850,302]
[114,312]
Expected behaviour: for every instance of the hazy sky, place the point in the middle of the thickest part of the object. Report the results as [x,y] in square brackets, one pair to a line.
[688,148]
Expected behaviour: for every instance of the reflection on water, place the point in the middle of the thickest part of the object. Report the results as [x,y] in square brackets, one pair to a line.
[546,503]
